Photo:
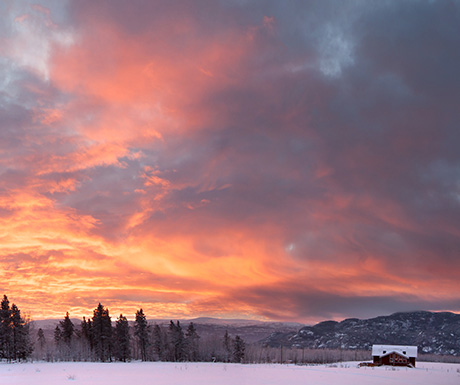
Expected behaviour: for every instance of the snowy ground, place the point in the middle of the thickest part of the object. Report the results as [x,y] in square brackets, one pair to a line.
[223,374]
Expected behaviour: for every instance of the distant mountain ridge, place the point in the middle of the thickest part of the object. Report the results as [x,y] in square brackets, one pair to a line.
[250,330]
[52,322]
[437,333]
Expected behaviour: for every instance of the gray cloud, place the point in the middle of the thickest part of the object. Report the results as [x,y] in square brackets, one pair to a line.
[338,128]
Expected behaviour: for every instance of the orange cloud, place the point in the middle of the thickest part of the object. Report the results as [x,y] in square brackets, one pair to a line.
[199,162]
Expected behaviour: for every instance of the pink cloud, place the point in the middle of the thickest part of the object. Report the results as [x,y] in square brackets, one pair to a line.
[200,148]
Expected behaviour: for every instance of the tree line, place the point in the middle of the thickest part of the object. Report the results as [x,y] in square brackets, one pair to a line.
[97,338]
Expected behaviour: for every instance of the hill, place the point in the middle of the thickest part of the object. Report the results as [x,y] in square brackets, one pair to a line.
[249,330]
[436,333]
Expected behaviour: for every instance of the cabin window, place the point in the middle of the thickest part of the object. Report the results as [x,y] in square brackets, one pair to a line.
[404,352]
[384,351]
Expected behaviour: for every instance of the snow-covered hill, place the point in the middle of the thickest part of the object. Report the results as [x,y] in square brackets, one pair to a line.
[437,333]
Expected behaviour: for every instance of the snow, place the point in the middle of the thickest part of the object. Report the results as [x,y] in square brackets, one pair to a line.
[159,373]
[408,351]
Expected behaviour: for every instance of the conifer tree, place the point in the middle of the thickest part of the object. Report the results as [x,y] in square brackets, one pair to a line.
[22,347]
[228,346]
[122,339]
[41,342]
[41,339]
[191,343]
[87,339]
[58,340]
[102,333]
[66,338]
[176,338]
[67,329]
[84,329]
[141,331]
[6,330]
[160,342]
[239,348]
[57,335]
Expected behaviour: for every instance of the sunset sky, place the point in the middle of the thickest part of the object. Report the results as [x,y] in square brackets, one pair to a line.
[273,160]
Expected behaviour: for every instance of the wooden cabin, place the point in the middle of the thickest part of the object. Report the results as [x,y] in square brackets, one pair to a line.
[394,355]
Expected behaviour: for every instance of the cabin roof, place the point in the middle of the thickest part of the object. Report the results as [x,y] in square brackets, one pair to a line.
[383,350]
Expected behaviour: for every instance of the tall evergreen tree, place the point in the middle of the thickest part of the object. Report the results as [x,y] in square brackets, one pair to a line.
[177,341]
[191,343]
[41,340]
[41,343]
[86,339]
[67,333]
[102,333]
[239,348]
[160,343]
[141,331]
[57,335]
[6,330]
[122,339]
[67,329]
[228,346]
[58,340]
[22,346]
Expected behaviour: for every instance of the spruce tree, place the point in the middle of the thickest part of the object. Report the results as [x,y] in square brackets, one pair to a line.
[177,343]
[41,342]
[191,343]
[67,333]
[41,339]
[102,333]
[57,335]
[87,337]
[228,346]
[6,330]
[67,330]
[159,342]
[58,340]
[122,339]
[238,349]
[141,331]
[22,347]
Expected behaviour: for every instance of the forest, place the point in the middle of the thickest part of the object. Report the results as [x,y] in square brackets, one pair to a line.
[99,339]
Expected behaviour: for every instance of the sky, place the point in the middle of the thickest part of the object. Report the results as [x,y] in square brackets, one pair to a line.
[263,159]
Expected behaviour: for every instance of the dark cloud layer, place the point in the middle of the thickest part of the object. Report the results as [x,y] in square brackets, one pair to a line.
[239,144]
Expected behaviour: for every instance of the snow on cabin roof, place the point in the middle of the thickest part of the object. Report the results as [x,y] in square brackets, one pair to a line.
[382,350]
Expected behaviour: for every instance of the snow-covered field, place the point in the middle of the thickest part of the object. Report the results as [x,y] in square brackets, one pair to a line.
[223,374]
